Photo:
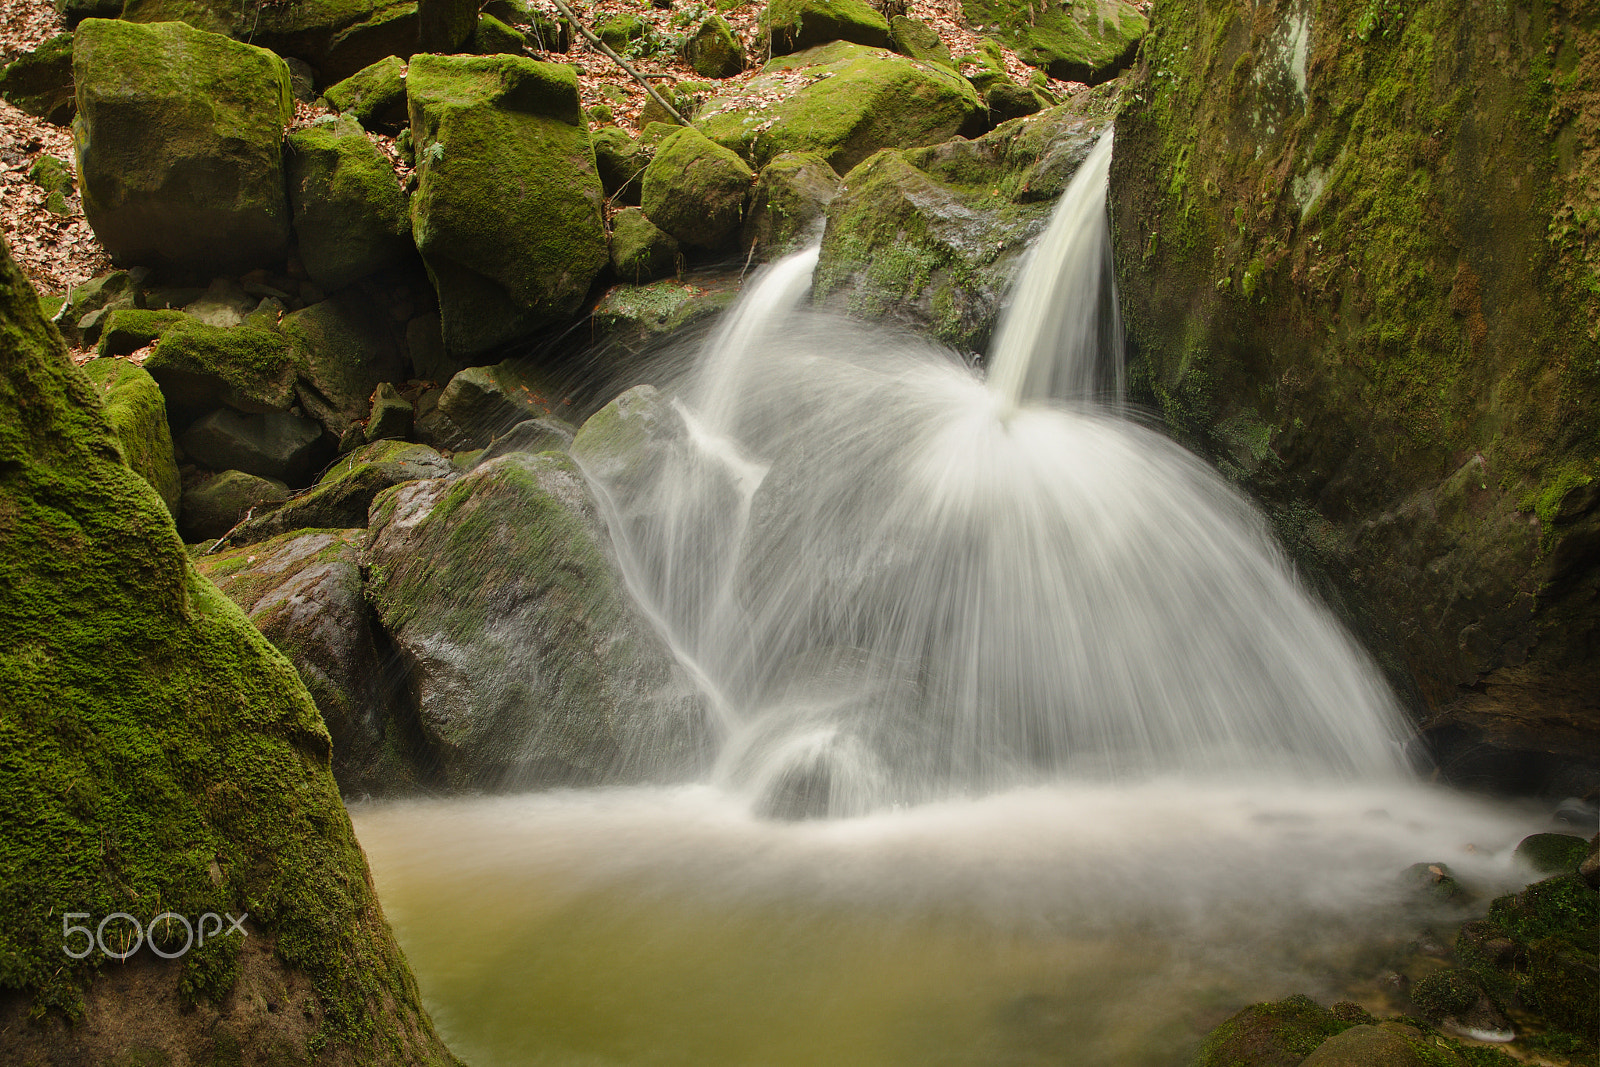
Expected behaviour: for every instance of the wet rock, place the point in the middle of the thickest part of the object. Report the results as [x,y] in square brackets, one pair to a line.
[217,505]
[1378,1046]
[621,164]
[790,203]
[480,403]
[1434,884]
[138,416]
[695,190]
[640,251]
[1278,1034]
[502,148]
[1548,854]
[187,168]
[795,25]
[40,82]
[273,445]
[350,216]
[531,665]
[532,435]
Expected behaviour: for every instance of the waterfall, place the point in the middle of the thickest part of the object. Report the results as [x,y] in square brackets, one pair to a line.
[900,582]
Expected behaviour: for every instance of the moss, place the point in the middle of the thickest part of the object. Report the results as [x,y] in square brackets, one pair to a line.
[350,215]
[639,250]
[1445,994]
[1552,853]
[138,416]
[713,50]
[695,189]
[372,95]
[1548,499]
[794,25]
[1276,1034]
[126,330]
[493,37]
[40,82]
[246,367]
[158,753]
[1085,42]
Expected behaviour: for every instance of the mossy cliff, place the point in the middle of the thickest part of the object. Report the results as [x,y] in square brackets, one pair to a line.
[158,755]
[1358,265]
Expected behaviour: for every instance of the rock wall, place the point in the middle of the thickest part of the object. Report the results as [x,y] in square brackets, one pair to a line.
[1357,255]
[158,756]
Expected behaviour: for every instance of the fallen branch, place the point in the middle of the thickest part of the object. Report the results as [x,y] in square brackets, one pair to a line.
[623,63]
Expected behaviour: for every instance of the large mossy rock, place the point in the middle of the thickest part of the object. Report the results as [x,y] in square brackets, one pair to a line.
[160,755]
[843,101]
[1342,289]
[695,189]
[531,664]
[138,416]
[303,590]
[481,403]
[640,251]
[1074,40]
[931,238]
[789,203]
[350,215]
[180,145]
[40,82]
[335,37]
[713,50]
[507,208]
[200,367]
[795,25]
[216,505]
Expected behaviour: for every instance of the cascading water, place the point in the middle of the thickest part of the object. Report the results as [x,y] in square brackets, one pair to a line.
[1113,774]
[901,580]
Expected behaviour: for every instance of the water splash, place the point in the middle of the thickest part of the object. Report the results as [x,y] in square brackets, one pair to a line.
[902,582]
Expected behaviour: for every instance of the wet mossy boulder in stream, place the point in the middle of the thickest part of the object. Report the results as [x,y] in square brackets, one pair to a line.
[161,756]
[179,140]
[695,190]
[931,238]
[40,82]
[303,590]
[138,416]
[1074,40]
[532,666]
[795,25]
[507,208]
[481,403]
[1340,288]
[789,203]
[844,102]
[350,215]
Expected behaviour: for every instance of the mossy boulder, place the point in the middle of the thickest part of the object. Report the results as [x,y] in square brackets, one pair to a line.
[215,505]
[630,322]
[374,96]
[789,203]
[915,38]
[532,666]
[843,101]
[507,208]
[620,162]
[199,367]
[1388,1045]
[695,189]
[40,82]
[81,315]
[640,251]
[55,178]
[335,37]
[138,416]
[1086,41]
[1008,100]
[713,50]
[795,25]
[480,403]
[303,590]
[1318,236]
[1552,853]
[161,756]
[1277,1034]
[350,215]
[275,445]
[619,31]
[931,238]
[391,416]
[341,498]
[491,37]
[179,140]
[342,348]
[126,330]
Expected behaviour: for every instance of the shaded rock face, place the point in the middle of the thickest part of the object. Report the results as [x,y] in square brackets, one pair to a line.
[350,216]
[481,403]
[789,203]
[843,101]
[1080,41]
[931,238]
[215,506]
[40,82]
[1341,290]
[138,416]
[159,749]
[531,666]
[179,142]
[507,208]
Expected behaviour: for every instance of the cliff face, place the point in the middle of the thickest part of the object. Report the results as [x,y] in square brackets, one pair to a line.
[159,755]
[1359,249]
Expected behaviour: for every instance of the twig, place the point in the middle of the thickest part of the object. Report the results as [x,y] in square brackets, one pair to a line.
[623,63]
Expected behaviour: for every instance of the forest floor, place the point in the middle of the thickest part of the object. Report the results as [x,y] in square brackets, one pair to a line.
[60,251]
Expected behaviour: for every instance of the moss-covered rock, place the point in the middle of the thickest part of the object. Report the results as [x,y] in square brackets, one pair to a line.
[713,50]
[1278,1034]
[341,498]
[40,82]
[374,96]
[532,666]
[620,162]
[54,177]
[640,251]
[335,37]
[1552,853]
[1383,1046]
[480,403]
[507,208]
[179,140]
[199,367]
[350,215]
[491,37]
[630,322]
[1008,100]
[795,25]
[695,189]
[915,38]
[126,330]
[138,416]
[1088,41]
[391,415]
[1318,236]
[620,30]
[342,348]
[87,307]
[160,755]
[789,203]
[931,238]
[215,505]
[844,101]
